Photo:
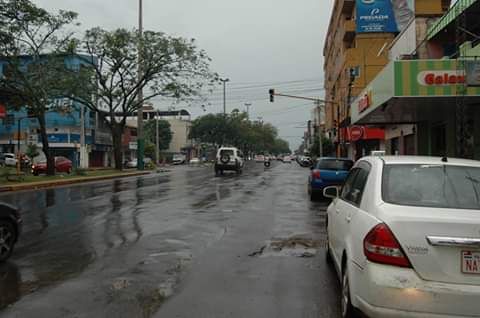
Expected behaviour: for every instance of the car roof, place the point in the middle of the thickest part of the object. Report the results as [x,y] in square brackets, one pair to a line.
[334,158]
[423,160]
[227,148]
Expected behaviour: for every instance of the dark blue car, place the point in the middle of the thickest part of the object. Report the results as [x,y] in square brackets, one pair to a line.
[327,172]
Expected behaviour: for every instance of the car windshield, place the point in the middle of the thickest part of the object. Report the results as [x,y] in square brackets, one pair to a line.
[440,186]
[226,152]
[334,164]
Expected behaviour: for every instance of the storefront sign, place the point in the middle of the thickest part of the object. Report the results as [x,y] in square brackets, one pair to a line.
[473,73]
[365,102]
[132,145]
[435,78]
[356,133]
[388,16]
[430,78]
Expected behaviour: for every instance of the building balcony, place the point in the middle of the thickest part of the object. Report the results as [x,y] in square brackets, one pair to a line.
[349,27]
[347,6]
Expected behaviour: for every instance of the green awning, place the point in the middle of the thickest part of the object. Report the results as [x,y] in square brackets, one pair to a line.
[457,9]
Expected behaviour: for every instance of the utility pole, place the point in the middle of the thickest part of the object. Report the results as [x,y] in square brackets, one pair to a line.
[157,140]
[83,150]
[140,137]
[224,95]
[320,137]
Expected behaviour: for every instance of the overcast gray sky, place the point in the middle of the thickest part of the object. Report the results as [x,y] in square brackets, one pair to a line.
[257,44]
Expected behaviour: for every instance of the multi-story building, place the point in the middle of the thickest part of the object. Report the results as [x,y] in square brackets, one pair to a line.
[433,88]
[356,50]
[180,124]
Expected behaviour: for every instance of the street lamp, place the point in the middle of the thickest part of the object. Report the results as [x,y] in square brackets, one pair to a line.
[224,81]
[248,108]
[157,138]
[140,137]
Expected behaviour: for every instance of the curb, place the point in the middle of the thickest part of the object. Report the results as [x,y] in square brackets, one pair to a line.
[57,183]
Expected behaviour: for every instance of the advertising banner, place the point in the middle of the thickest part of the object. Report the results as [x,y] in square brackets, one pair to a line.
[435,78]
[389,16]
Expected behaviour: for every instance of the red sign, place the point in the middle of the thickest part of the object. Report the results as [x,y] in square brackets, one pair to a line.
[364,102]
[435,78]
[356,133]
[3,111]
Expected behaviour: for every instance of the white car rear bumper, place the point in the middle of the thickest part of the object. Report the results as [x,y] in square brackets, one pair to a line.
[388,291]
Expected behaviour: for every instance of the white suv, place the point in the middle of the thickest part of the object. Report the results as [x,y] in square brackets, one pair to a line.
[228,158]
[404,236]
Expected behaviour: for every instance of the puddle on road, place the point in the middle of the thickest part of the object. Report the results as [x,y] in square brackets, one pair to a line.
[295,246]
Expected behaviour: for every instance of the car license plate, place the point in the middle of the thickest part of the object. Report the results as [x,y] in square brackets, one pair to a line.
[471,262]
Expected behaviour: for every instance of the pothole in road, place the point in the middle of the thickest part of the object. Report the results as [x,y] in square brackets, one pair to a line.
[295,246]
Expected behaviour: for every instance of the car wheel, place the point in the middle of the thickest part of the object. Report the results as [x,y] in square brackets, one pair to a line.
[348,311]
[69,171]
[7,240]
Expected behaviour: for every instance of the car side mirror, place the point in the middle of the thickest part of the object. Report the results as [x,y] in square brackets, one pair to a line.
[330,192]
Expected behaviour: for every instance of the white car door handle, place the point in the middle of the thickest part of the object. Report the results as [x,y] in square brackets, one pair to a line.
[348,218]
[337,210]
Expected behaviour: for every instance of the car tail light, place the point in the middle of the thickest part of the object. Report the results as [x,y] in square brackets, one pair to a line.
[316,174]
[381,246]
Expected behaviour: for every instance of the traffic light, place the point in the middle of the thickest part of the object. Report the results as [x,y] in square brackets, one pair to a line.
[272,93]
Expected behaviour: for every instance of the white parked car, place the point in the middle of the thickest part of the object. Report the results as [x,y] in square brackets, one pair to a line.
[8,159]
[404,237]
[228,158]
[287,159]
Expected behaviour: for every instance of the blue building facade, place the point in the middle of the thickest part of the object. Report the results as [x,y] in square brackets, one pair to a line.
[63,129]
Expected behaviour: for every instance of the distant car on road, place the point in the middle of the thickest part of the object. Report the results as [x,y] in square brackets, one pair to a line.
[287,159]
[304,161]
[179,159]
[194,161]
[403,235]
[327,172]
[62,164]
[228,159]
[259,158]
[10,228]
[134,162]
[8,159]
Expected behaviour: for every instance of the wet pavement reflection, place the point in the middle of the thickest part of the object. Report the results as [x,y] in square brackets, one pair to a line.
[122,247]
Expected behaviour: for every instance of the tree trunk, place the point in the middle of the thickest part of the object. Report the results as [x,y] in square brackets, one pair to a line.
[45,146]
[117,131]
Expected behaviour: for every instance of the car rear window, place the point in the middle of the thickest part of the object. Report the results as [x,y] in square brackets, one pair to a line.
[226,152]
[334,164]
[440,186]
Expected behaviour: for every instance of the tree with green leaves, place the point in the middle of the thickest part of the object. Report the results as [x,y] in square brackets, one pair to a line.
[34,44]
[237,130]
[171,67]
[328,147]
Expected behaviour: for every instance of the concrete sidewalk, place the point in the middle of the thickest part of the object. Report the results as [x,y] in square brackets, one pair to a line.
[59,182]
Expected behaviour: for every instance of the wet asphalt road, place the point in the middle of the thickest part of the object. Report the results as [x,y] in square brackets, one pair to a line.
[176,244]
